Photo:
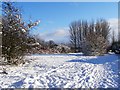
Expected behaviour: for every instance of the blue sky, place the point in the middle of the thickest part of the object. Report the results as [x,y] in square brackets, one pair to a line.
[55,17]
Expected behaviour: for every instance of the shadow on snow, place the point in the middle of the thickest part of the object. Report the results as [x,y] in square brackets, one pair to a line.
[98,59]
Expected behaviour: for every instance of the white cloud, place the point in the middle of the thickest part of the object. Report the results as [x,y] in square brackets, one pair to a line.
[59,35]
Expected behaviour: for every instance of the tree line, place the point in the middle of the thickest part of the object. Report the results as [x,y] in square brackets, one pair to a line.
[90,37]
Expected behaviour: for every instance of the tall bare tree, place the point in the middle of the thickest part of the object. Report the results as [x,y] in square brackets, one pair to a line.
[113,37]
[73,34]
[105,28]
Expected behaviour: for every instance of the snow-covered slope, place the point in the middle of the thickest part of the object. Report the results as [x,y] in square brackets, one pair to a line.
[63,71]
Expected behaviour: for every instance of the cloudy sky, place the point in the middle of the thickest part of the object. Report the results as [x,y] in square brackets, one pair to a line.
[55,17]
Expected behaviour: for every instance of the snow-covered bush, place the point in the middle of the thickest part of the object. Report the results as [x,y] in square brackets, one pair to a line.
[15,34]
[95,45]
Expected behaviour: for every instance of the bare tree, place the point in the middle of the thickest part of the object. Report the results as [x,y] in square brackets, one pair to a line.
[78,31]
[113,37]
[105,29]
[119,34]
[73,35]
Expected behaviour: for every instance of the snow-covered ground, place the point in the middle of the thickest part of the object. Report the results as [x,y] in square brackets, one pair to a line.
[63,71]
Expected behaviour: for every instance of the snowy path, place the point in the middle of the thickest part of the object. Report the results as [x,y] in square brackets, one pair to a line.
[65,71]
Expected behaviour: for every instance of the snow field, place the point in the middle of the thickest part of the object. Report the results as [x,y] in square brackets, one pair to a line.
[63,71]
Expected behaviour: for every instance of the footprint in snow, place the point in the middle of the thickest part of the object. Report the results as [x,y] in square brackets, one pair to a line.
[18,84]
[87,79]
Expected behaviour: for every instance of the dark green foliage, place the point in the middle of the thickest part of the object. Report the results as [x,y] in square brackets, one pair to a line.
[115,47]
